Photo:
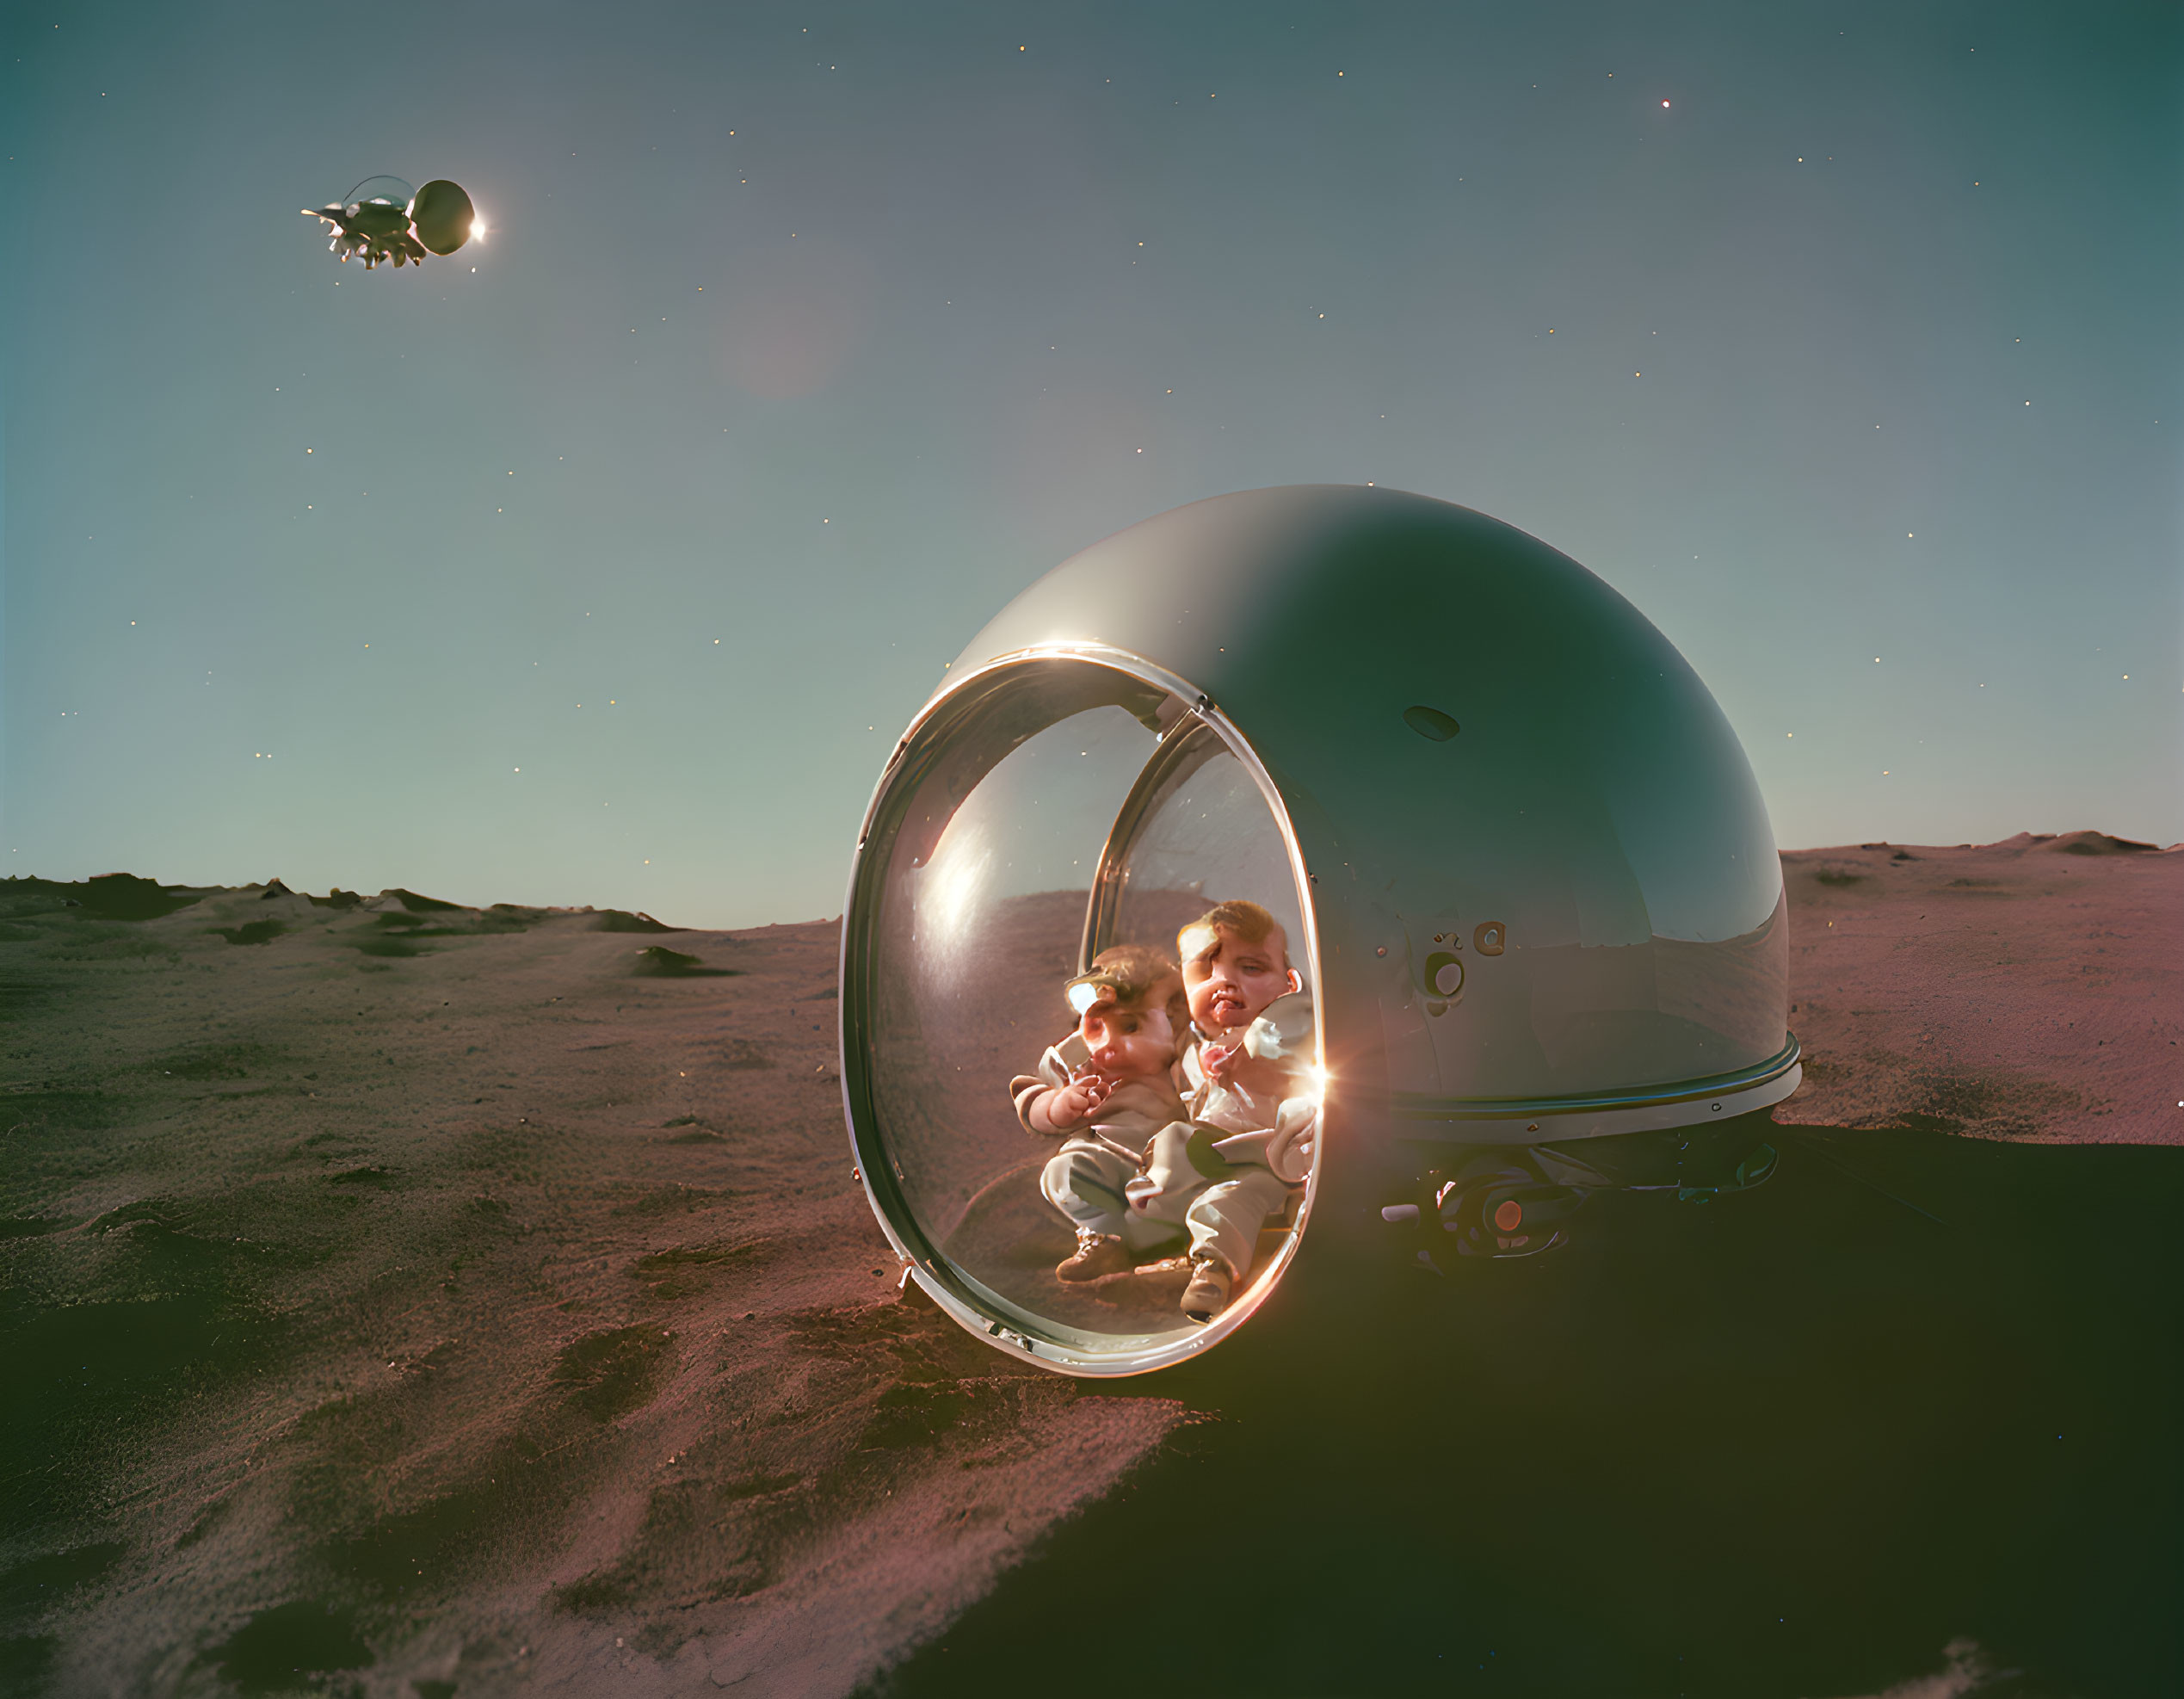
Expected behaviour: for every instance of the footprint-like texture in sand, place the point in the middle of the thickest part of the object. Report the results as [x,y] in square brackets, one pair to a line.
[450,1299]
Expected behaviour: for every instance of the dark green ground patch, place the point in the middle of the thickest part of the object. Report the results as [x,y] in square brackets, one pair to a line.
[912,1415]
[21,998]
[1914,1121]
[525,1478]
[522,1155]
[656,961]
[32,1226]
[241,1060]
[612,1372]
[110,896]
[204,1521]
[619,920]
[2103,844]
[32,1587]
[27,1663]
[461,924]
[171,1250]
[60,1111]
[694,1255]
[1836,876]
[1991,1103]
[417,905]
[477,926]
[756,1486]
[40,899]
[121,896]
[416,1550]
[82,1375]
[109,941]
[252,932]
[682,1271]
[279,1650]
[668,1200]
[602,1590]
[393,947]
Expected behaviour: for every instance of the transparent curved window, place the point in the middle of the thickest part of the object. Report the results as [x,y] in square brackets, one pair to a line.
[1041,818]
[382,192]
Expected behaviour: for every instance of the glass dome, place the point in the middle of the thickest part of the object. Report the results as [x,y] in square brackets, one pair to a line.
[382,191]
[1045,812]
[1521,868]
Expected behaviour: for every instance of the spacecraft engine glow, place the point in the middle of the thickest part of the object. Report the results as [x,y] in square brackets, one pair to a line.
[1511,883]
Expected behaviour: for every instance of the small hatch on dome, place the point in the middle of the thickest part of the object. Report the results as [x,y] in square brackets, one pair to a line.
[1431,722]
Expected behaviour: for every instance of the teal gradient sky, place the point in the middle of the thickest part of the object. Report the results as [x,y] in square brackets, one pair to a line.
[806,335]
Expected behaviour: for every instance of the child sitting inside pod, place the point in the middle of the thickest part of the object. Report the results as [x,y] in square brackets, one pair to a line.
[1185,1113]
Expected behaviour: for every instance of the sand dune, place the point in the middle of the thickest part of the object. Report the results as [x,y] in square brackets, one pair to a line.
[480,1300]
[2033,988]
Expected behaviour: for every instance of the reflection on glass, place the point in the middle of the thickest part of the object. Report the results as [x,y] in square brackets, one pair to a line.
[1091,1034]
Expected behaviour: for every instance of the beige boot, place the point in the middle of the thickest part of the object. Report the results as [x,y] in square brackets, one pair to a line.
[1208,1295]
[1096,1256]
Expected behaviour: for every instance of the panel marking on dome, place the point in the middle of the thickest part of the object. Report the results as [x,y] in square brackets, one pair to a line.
[1431,722]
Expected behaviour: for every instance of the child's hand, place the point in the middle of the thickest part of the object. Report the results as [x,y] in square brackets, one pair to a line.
[1219,1061]
[1071,1103]
[1295,1141]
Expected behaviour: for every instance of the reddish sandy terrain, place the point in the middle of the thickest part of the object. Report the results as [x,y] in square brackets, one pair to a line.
[2033,988]
[480,1308]
[481,1301]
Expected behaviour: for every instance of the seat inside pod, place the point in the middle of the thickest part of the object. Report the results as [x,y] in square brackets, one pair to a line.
[1040,814]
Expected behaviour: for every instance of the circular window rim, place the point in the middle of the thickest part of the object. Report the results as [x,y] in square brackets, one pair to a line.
[953,1290]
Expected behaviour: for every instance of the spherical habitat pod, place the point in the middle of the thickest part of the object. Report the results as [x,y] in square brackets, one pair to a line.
[442,216]
[1524,873]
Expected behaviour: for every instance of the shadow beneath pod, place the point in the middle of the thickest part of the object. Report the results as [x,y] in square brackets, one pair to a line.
[1811,1413]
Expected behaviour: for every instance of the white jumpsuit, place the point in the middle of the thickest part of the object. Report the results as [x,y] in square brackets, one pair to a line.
[1085,1179]
[1248,1146]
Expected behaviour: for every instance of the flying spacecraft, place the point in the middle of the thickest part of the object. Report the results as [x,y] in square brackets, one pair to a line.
[384,218]
[1524,874]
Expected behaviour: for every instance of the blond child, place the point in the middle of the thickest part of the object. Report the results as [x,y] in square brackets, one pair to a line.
[1105,1091]
[1248,1094]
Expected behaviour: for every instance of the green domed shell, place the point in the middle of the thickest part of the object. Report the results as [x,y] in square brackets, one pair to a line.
[442,216]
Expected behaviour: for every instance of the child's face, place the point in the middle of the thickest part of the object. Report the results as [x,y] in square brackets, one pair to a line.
[1128,1043]
[1230,983]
